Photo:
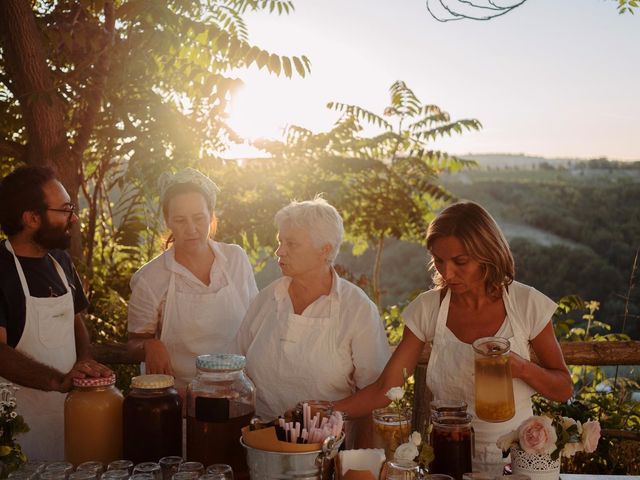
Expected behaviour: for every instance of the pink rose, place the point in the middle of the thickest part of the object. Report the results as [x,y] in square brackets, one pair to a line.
[590,436]
[537,435]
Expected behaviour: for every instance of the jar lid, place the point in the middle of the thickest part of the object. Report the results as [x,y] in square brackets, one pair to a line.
[220,361]
[95,381]
[152,381]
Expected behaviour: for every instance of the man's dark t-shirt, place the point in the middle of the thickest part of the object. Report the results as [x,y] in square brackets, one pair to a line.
[43,281]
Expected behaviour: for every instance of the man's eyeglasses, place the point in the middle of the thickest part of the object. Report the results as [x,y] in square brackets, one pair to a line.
[69,210]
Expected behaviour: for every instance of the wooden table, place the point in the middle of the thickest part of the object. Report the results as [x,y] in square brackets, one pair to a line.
[570,476]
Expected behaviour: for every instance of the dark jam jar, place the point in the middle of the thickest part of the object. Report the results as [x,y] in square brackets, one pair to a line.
[452,442]
[220,401]
[152,419]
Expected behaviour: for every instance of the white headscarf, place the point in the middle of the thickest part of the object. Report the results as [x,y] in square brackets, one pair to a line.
[188,175]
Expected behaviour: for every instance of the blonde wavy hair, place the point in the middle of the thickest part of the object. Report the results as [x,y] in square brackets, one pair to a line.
[481,237]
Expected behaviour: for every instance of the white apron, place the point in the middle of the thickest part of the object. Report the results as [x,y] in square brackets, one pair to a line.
[195,324]
[295,357]
[450,375]
[49,338]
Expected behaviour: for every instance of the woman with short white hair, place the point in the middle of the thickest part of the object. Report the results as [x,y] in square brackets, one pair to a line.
[310,335]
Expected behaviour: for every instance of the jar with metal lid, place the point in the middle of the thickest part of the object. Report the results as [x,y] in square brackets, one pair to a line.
[220,401]
[152,419]
[93,421]
[452,440]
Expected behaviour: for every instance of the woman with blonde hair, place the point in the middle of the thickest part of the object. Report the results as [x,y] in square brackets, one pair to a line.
[475,296]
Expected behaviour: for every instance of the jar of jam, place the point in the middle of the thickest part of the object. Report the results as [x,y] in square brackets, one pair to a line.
[93,421]
[220,401]
[152,419]
[452,442]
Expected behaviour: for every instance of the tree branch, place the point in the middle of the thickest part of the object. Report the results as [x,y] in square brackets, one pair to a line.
[11,149]
[94,96]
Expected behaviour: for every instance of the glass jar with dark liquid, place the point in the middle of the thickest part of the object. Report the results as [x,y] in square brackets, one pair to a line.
[452,442]
[152,419]
[220,401]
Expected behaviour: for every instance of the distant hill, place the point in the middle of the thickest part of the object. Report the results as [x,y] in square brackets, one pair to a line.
[523,161]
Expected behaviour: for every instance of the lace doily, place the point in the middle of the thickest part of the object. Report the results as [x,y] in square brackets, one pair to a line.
[537,466]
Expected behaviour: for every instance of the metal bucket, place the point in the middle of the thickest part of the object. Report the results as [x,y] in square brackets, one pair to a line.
[316,465]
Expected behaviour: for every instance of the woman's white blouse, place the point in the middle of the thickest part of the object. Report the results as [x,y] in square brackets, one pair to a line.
[356,349]
[149,284]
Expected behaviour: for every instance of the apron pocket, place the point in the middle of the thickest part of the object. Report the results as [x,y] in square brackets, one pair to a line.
[54,326]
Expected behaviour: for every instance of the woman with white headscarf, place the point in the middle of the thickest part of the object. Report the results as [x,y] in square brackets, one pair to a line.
[191,299]
[310,335]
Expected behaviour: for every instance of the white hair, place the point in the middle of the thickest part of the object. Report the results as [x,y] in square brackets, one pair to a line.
[319,218]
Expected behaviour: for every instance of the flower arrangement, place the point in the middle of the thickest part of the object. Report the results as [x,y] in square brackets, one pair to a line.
[11,424]
[555,436]
[413,447]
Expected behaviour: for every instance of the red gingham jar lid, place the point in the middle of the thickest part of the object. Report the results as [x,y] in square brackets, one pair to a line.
[95,381]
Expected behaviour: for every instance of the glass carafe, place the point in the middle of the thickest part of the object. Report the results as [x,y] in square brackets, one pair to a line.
[452,442]
[493,382]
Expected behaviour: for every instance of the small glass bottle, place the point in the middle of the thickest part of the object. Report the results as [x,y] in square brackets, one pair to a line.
[493,382]
[93,421]
[220,401]
[152,419]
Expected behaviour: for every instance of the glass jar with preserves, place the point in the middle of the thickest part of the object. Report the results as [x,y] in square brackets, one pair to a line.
[452,442]
[152,419]
[493,382]
[220,401]
[391,427]
[93,421]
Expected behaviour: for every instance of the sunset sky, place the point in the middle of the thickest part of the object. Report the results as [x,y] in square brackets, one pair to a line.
[556,78]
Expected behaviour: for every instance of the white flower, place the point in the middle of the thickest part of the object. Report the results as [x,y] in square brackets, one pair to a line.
[590,435]
[506,441]
[571,448]
[567,423]
[416,438]
[394,394]
[13,414]
[406,452]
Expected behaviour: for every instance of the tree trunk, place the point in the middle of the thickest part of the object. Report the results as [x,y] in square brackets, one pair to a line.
[376,271]
[33,85]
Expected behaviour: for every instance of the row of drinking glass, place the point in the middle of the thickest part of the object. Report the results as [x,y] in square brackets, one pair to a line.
[167,468]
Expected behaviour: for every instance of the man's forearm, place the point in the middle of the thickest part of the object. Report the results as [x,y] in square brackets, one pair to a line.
[27,372]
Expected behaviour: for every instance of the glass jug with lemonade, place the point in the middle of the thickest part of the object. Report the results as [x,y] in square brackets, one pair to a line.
[493,381]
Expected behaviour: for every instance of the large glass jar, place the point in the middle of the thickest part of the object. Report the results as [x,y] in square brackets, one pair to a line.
[93,421]
[452,442]
[493,382]
[391,427]
[152,419]
[220,401]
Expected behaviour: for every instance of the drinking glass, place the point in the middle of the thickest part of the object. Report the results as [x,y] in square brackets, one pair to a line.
[149,467]
[222,470]
[126,465]
[196,467]
[95,467]
[22,475]
[54,474]
[83,475]
[393,470]
[169,466]
[185,476]
[115,475]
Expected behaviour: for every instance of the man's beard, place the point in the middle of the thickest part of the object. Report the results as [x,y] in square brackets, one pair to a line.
[49,236]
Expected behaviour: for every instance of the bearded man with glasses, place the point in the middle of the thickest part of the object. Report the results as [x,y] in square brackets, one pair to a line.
[44,343]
